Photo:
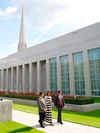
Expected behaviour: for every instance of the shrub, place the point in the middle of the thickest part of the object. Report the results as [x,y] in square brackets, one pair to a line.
[70,99]
[81,101]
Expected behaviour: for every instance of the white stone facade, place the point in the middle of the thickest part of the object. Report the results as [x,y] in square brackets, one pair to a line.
[5,110]
[29,70]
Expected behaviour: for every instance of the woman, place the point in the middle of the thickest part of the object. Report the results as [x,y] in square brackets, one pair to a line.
[42,108]
[48,113]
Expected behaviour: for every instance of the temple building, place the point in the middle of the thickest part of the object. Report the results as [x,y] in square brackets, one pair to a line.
[70,63]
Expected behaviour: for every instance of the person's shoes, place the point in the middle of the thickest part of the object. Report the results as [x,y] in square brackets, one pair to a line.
[51,124]
[60,122]
[42,126]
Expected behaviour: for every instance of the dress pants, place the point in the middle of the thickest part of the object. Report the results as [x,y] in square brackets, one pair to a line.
[42,117]
[59,114]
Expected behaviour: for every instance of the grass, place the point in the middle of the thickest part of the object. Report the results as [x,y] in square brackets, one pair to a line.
[26,108]
[86,118]
[14,127]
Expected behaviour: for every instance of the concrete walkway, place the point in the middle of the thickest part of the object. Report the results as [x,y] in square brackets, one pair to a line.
[67,127]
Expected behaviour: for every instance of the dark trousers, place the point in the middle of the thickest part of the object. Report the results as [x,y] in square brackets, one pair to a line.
[59,114]
[42,117]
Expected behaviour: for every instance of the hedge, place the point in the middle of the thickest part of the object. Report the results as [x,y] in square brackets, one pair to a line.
[79,101]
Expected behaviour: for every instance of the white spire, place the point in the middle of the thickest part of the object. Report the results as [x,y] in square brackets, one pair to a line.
[22,44]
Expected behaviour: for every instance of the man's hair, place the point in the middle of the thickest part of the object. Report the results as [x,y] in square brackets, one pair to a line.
[40,93]
[58,91]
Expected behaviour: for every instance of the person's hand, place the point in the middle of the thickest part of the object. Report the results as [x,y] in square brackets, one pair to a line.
[45,109]
[65,107]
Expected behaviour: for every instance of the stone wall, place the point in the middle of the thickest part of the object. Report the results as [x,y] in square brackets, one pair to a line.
[5,110]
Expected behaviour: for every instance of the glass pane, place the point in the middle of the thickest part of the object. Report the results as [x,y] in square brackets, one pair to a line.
[53,75]
[94,62]
[79,73]
[65,74]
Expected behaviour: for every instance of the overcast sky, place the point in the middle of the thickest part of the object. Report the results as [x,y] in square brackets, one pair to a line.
[44,20]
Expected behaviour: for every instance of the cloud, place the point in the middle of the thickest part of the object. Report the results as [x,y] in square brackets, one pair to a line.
[43,16]
[42,13]
[8,11]
[47,13]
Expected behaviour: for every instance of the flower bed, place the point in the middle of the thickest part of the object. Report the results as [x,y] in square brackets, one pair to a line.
[69,99]
[20,95]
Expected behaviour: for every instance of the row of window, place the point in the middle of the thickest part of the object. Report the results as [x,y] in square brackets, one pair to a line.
[94,64]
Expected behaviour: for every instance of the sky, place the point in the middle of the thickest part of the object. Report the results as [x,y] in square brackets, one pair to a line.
[43,19]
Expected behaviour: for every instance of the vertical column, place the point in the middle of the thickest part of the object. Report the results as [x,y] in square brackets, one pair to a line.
[86,73]
[71,73]
[30,77]
[23,78]
[38,76]
[4,79]
[11,78]
[59,87]
[2,75]
[20,78]
[47,74]
[7,79]
[0,80]
[17,71]
[34,77]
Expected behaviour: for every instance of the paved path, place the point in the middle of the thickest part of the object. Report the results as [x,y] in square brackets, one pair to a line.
[67,127]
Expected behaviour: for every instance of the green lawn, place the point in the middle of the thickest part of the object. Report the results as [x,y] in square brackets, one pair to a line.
[87,118]
[14,127]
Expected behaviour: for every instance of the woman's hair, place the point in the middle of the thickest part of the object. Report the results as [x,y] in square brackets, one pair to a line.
[47,93]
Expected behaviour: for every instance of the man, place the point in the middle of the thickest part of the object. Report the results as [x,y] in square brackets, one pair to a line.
[59,103]
[42,108]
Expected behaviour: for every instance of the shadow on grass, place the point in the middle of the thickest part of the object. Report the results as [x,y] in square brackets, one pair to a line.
[21,130]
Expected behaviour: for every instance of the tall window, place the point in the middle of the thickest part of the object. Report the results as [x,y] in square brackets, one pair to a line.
[79,74]
[94,61]
[65,74]
[53,75]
